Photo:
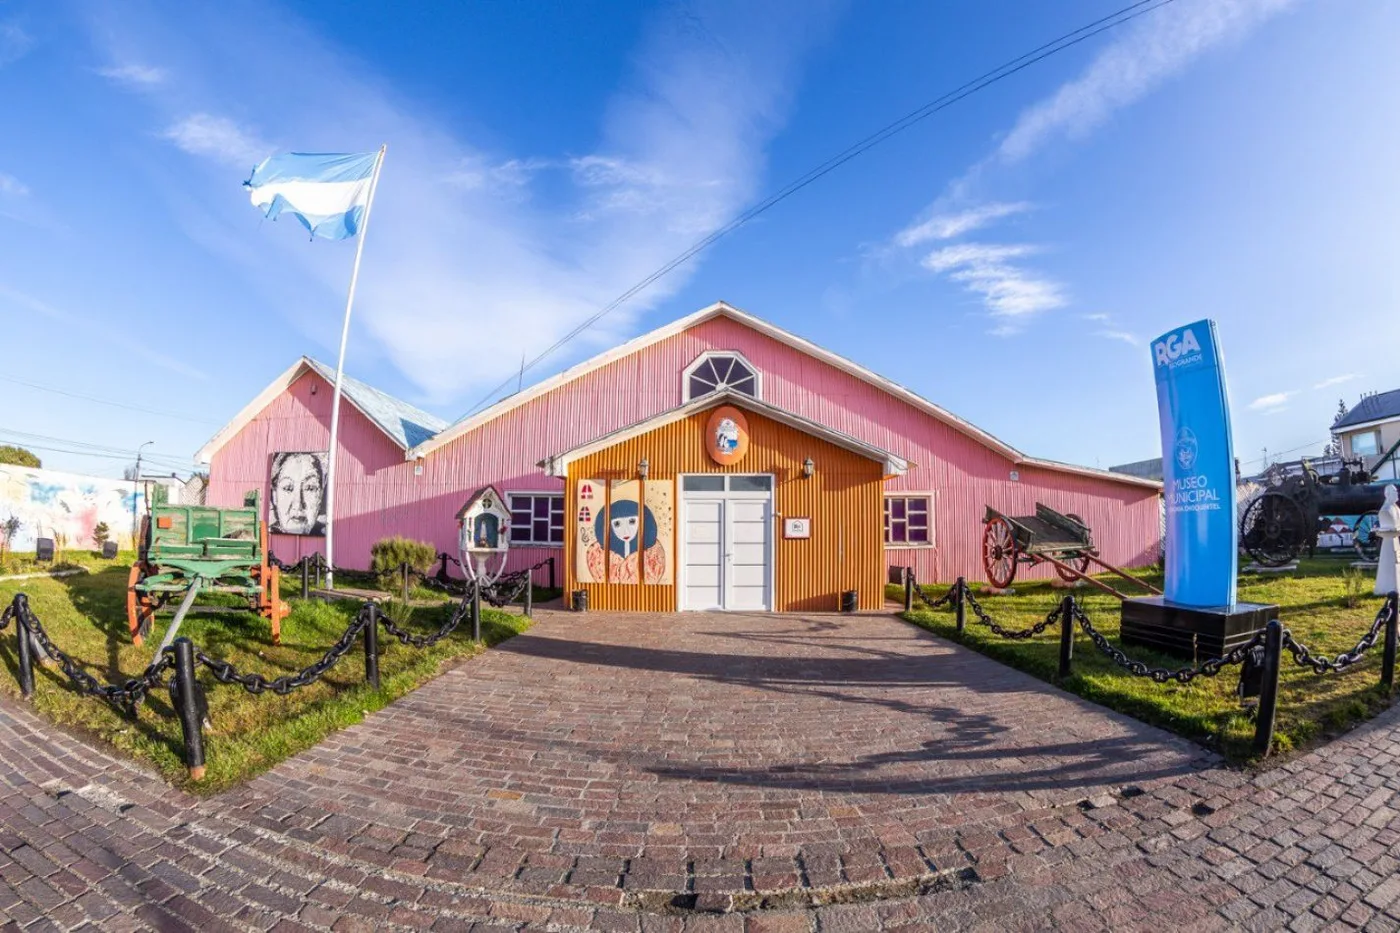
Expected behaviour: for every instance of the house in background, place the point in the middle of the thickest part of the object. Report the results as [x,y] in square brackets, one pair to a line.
[1370,432]
[718,462]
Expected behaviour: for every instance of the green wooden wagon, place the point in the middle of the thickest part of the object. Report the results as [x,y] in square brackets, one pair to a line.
[186,550]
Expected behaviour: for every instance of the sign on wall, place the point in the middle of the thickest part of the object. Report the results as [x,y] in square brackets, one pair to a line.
[797,528]
[1198,485]
[297,502]
[727,435]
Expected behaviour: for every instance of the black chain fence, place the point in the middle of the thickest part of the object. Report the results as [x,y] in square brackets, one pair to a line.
[182,657]
[30,633]
[1259,657]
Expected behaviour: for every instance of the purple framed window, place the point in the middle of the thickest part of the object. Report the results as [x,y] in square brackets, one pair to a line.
[907,520]
[537,518]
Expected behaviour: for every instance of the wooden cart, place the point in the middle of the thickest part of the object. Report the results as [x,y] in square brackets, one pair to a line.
[186,550]
[1047,537]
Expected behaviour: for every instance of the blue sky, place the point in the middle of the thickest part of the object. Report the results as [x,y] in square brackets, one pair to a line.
[1008,258]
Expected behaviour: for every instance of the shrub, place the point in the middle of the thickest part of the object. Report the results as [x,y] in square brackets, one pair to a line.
[388,553]
[1353,585]
[101,534]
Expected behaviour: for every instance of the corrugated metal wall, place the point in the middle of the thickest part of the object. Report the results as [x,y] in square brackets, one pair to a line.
[844,501]
[962,475]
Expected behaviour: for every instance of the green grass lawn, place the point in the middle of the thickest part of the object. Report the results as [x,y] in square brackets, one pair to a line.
[1311,707]
[85,614]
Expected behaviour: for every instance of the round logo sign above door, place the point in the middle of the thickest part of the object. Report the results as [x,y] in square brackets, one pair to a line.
[727,435]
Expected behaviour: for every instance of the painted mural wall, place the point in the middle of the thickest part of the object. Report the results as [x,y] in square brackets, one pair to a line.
[49,503]
[378,493]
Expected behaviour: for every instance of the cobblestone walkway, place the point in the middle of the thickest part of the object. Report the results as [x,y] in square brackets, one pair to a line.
[713,773]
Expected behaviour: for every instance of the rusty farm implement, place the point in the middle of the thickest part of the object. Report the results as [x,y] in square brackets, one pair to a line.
[188,550]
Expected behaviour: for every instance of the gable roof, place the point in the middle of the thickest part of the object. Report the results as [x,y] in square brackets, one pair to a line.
[894,465]
[1382,406]
[404,424]
[471,422]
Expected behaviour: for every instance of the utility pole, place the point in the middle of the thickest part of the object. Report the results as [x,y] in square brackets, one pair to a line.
[135,492]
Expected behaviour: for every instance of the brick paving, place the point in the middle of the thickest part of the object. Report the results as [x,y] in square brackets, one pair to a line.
[713,773]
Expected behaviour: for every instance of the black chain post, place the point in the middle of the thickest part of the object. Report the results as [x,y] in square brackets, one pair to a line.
[960,606]
[1067,617]
[305,579]
[476,611]
[442,570]
[1268,693]
[372,647]
[908,589]
[187,706]
[1391,626]
[25,651]
[551,573]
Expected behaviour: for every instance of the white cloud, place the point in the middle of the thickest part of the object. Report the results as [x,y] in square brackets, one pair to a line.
[134,74]
[1149,51]
[974,254]
[220,138]
[1099,317]
[943,226]
[1132,340]
[1271,403]
[1156,47]
[14,43]
[10,186]
[1336,380]
[468,263]
[1007,290]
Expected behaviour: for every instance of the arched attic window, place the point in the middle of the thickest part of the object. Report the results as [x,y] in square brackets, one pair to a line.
[720,369]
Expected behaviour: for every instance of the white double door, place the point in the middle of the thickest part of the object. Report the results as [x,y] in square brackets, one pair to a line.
[728,551]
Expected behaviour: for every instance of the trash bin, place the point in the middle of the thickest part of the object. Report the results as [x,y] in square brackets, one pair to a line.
[579,601]
[849,601]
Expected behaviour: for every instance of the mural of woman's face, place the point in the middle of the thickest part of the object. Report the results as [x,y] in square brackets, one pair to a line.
[296,494]
[625,527]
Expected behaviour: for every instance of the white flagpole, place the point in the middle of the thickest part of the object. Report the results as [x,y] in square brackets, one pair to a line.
[339,374]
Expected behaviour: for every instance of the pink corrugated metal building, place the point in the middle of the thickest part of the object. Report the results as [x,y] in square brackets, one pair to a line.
[401,471]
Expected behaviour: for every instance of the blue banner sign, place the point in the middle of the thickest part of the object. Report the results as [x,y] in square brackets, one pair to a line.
[1198,466]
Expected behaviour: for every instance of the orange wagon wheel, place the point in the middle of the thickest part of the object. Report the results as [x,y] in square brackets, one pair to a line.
[999,552]
[139,607]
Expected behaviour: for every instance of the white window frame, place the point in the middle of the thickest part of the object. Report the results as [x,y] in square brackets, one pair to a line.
[553,493]
[909,494]
[710,354]
[1374,432]
[770,495]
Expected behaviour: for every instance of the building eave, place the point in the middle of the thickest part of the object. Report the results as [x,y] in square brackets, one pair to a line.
[720,308]
[264,398]
[893,464]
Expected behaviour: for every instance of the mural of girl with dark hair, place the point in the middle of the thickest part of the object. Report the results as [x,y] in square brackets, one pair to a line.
[631,537]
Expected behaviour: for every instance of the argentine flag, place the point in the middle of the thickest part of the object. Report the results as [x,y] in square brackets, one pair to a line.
[328,193]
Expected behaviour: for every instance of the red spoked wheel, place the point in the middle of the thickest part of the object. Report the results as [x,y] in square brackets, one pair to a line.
[1076,559]
[999,554]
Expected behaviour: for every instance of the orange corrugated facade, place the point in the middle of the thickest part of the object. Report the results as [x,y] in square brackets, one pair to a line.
[844,499]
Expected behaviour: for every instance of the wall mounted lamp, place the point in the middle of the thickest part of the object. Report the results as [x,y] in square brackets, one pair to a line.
[643,468]
[809,468]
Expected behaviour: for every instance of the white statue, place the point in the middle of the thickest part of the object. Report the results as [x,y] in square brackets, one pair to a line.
[1388,528]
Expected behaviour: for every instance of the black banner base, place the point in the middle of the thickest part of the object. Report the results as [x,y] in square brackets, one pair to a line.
[1191,632]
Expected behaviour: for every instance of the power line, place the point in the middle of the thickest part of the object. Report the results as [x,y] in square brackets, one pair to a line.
[1055,46]
[45,442]
[103,401]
